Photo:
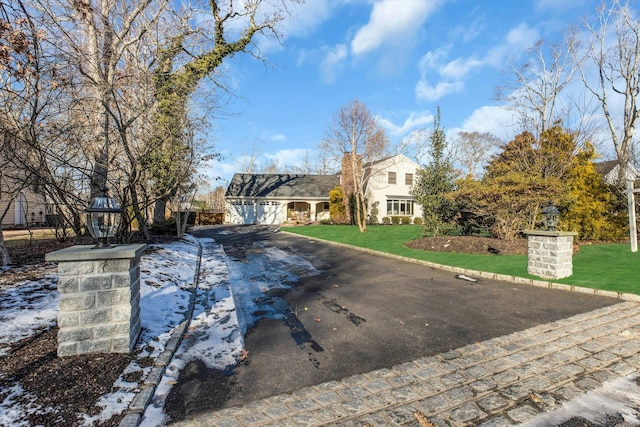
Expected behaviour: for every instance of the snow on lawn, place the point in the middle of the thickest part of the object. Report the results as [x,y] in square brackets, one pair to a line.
[27,306]
[166,276]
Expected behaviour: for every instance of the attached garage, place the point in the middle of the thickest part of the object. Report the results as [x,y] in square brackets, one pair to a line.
[272,199]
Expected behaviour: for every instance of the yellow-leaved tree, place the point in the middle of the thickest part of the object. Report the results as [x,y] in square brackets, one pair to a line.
[594,209]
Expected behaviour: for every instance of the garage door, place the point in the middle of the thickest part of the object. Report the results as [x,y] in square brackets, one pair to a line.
[241,213]
[269,213]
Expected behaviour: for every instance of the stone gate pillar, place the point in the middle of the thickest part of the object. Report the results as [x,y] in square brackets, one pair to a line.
[550,253]
[99,298]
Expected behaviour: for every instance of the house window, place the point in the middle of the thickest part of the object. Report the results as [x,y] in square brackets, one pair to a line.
[325,206]
[392,177]
[400,207]
[408,179]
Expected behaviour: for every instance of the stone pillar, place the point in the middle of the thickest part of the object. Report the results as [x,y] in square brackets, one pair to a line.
[550,253]
[99,298]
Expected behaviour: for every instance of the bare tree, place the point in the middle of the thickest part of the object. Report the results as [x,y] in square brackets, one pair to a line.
[215,199]
[23,104]
[537,95]
[355,137]
[416,145]
[612,54]
[472,150]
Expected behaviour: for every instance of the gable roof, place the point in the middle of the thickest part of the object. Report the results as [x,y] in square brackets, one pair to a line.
[605,167]
[384,159]
[281,185]
[609,171]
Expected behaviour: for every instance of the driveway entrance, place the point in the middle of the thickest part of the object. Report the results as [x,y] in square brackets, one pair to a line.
[362,312]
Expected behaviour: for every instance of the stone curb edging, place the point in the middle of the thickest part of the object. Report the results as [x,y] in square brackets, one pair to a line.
[143,398]
[486,275]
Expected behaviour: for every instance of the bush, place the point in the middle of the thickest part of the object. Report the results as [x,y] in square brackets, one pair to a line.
[167,228]
[386,220]
[405,220]
[417,220]
[395,220]
[326,222]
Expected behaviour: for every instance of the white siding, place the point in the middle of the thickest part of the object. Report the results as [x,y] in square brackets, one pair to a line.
[379,190]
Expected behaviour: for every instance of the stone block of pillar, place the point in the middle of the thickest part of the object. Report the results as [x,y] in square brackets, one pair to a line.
[550,253]
[99,298]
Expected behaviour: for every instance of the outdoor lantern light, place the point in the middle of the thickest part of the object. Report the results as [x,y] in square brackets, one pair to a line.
[103,218]
[550,215]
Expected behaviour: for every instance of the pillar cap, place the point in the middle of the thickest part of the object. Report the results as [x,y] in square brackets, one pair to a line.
[88,253]
[549,233]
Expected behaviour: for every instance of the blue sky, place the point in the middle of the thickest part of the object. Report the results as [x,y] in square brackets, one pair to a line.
[402,58]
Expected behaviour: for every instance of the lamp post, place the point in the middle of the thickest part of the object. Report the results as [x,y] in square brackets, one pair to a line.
[550,215]
[104,214]
[103,218]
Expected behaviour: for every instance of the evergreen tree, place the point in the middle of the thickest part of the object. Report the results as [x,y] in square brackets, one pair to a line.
[434,183]
[337,210]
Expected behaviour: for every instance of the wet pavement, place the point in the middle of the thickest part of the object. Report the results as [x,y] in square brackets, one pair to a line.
[379,341]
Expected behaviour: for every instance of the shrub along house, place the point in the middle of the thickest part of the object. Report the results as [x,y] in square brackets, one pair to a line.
[276,198]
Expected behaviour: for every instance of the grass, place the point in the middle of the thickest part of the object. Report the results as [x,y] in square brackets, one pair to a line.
[22,238]
[611,267]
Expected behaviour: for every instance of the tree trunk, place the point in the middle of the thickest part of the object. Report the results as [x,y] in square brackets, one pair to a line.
[6,259]
[159,211]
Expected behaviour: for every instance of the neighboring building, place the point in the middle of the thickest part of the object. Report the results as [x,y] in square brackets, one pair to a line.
[609,171]
[274,199]
[26,209]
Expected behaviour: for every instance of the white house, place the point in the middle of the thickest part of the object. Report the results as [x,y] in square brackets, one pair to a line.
[609,170]
[276,198]
[388,190]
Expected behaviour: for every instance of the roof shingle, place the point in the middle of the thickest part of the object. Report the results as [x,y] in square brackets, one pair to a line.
[281,185]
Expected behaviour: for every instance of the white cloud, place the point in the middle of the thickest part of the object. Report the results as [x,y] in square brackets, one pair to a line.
[494,119]
[433,58]
[415,120]
[390,21]
[332,62]
[459,68]
[289,157]
[451,74]
[424,91]
[306,17]
[518,41]
[220,173]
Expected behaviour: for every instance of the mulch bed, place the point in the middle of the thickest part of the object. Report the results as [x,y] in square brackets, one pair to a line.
[470,245]
[64,387]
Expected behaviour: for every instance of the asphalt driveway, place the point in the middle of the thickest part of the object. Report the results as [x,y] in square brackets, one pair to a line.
[363,312]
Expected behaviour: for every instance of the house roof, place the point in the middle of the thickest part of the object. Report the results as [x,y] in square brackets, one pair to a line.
[281,185]
[384,159]
[605,167]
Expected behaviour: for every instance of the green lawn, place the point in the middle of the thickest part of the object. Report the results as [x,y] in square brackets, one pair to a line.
[22,238]
[610,267]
